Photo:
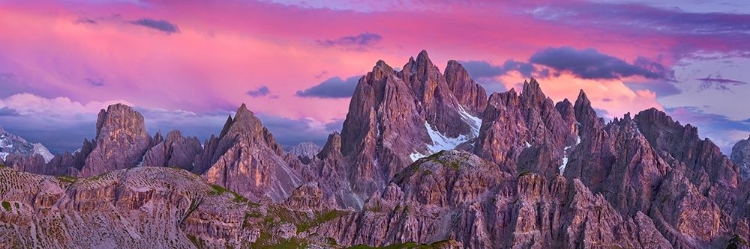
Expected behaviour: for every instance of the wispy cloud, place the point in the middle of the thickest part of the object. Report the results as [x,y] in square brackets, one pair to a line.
[718,83]
[97,82]
[358,42]
[160,25]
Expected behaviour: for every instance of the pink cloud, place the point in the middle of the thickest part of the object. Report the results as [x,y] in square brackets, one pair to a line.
[225,49]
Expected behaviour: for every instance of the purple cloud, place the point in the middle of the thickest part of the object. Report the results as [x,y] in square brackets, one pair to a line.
[358,42]
[718,83]
[484,69]
[690,32]
[591,64]
[160,25]
[262,91]
[95,82]
[332,88]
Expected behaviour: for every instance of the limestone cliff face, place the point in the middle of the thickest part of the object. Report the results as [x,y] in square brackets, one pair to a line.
[121,141]
[246,159]
[468,93]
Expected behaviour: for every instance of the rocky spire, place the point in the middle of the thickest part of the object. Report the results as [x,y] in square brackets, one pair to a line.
[469,94]
[121,141]
[333,145]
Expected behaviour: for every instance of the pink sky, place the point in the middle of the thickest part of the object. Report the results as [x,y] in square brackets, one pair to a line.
[199,61]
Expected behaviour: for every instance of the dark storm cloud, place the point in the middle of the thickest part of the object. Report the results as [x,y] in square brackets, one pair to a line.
[591,64]
[160,25]
[332,88]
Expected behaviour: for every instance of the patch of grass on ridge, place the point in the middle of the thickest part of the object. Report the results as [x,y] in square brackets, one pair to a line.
[6,206]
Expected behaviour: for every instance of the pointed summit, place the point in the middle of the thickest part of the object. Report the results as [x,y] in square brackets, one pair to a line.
[469,94]
[244,115]
[247,160]
[227,124]
[423,57]
[532,91]
[333,145]
[585,114]
[244,122]
[243,108]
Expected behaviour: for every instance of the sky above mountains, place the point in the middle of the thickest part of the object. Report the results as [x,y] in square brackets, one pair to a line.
[188,64]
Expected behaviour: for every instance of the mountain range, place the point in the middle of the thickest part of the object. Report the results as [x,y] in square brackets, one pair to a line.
[425,158]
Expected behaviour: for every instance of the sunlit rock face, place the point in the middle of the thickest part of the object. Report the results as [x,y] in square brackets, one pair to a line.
[121,141]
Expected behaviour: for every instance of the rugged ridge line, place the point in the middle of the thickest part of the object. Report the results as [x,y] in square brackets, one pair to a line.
[414,163]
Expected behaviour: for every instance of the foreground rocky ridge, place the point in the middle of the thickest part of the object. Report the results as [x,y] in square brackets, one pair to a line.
[146,207]
[424,157]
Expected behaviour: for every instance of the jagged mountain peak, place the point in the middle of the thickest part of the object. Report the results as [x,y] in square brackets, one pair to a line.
[395,119]
[13,144]
[244,121]
[248,160]
[582,98]
[469,94]
[333,145]
[423,58]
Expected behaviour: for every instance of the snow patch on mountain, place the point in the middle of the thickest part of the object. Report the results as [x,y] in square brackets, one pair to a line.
[564,160]
[474,122]
[43,151]
[443,142]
